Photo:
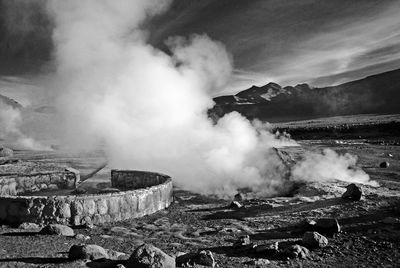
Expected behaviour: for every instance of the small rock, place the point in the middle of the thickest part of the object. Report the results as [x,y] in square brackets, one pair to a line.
[116,255]
[43,186]
[87,252]
[296,251]
[29,226]
[242,241]
[52,187]
[314,240]
[269,249]
[120,266]
[106,236]
[352,193]
[238,197]
[148,256]
[204,257]
[82,237]
[327,226]
[235,204]
[384,164]
[57,229]
[390,155]
[259,263]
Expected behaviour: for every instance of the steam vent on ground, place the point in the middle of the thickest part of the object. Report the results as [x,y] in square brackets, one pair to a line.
[46,193]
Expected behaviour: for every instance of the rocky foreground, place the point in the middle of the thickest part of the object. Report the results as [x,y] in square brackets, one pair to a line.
[332,224]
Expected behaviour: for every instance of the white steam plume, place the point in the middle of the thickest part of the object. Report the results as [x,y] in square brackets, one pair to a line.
[148,108]
[10,133]
[330,166]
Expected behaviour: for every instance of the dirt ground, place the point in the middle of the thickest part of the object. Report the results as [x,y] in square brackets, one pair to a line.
[370,234]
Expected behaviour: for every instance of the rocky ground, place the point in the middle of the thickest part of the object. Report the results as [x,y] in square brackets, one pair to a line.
[262,233]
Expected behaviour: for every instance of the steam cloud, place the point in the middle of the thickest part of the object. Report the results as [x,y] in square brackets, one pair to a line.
[148,109]
[329,166]
[10,123]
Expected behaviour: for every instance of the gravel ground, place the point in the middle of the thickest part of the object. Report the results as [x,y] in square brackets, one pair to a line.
[370,234]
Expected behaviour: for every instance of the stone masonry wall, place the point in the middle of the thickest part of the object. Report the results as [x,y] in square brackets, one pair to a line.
[83,209]
[13,184]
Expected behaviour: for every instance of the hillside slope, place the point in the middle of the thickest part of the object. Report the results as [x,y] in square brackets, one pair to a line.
[378,94]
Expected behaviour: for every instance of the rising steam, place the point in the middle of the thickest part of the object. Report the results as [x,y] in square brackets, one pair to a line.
[148,109]
[10,129]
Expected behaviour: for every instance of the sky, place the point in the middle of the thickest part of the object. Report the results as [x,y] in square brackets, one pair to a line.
[320,42]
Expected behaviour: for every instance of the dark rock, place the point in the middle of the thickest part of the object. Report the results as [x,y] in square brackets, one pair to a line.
[296,251]
[238,197]
[353,193]
[327,226]
[204,258]
[384,165]
[314,240]
[148,256]
[57,229]
[235,204]
[87,252]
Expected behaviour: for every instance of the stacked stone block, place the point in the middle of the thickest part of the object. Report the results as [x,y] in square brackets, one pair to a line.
[155,193]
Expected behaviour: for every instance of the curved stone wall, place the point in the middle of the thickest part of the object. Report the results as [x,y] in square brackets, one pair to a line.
[20,183]
[142,193]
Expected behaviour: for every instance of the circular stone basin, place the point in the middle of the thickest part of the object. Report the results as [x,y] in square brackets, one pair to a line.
[141,193]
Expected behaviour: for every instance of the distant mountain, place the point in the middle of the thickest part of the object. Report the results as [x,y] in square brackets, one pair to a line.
[379,94]
[10,102]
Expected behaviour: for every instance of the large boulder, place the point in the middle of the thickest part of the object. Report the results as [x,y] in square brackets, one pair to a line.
[314,240]
[57,229]
[87,252]
[148,256]
[353,193]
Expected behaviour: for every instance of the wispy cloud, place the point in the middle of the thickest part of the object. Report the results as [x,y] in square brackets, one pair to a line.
[343,48]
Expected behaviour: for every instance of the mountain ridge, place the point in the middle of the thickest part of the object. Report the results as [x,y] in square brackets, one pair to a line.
[377,93]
